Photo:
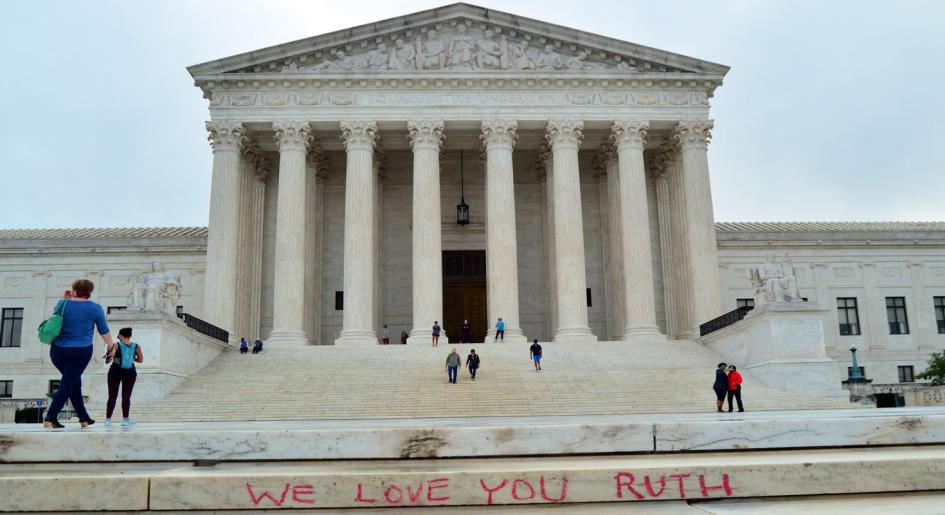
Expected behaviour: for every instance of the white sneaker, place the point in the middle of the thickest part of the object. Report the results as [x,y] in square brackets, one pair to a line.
[108,422]
[127,422]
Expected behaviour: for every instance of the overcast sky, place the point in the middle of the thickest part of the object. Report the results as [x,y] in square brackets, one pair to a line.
[832,110]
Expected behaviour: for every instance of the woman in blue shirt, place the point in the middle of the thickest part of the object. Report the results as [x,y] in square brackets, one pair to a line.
[72,351]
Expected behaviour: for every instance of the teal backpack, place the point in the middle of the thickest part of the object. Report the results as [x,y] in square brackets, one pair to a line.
[51,327]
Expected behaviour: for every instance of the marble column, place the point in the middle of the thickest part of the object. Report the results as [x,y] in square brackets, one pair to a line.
[679,267]
[261,178]
[226,139]
[692,137]
[613,262]
[359,137]
[546,175]
[379,167]
[426,139]
[565,136]
[639,300]
[660,166]
[316,167]
[288,306]
[248,287]
[498,138]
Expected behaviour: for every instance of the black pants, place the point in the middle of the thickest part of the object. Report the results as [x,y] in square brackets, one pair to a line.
[126,378]
[71,361]
[472,371]
[499,334]
[243,350]
[737,394]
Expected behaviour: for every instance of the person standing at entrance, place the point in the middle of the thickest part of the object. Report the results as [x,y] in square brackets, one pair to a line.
[71,351]
[465,332]
[472,363]
[499,330]
[453,361]
[734,388]
[535,352]
[122,373]
[385,335]
[720,386]
[436,333]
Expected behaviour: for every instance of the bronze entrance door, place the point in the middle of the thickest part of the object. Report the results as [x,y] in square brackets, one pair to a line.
[464,293]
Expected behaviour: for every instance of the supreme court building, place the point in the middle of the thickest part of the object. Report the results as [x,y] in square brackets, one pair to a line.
[339,162]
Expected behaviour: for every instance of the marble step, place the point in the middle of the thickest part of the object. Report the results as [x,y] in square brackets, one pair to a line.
[470,482]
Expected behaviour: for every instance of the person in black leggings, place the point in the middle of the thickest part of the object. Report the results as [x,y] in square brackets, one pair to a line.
[122,373]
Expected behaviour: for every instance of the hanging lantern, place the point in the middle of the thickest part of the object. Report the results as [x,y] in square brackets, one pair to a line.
[462,209]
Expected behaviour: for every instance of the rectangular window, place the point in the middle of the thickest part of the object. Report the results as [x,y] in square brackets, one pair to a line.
[113,309]
[6,389]
[588,297]
[745,303]
[848,316]
[11,325]
[53,387]
[906,374]
[896,314]
[939,303]
[850,371]
[339,301]
[179,310]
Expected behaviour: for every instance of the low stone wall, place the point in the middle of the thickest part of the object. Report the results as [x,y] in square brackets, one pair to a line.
[914,394]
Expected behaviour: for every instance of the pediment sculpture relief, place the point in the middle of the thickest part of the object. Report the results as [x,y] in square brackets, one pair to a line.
[464,50]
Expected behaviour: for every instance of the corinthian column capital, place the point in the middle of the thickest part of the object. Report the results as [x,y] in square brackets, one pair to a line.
[292,135]
[316,158]
[629,133]
[359,134]
[662,160]
[226,135]
[693,132]
[499,133]
[425,133]
[564,133]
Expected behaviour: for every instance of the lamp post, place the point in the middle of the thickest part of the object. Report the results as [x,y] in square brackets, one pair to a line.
[855,374]
[462,209]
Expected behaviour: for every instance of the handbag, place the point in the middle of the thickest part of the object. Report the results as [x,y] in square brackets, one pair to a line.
[51,327]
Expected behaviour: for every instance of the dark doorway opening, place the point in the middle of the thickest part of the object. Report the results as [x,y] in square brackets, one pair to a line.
[464,293]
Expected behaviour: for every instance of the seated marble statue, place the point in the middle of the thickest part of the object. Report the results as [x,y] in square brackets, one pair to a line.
[155,291]
[774,281]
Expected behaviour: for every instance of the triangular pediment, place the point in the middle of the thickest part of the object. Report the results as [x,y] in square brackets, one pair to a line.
[457,39]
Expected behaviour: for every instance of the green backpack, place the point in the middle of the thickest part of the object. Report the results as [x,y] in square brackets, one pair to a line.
[51,327]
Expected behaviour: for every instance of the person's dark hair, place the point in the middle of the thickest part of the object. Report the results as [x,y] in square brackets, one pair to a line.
[733,367]
[472,350]
[722,365]
[125,331]
[83,288]
[536,340]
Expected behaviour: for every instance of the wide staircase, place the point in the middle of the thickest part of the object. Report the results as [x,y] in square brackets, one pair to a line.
[404,381]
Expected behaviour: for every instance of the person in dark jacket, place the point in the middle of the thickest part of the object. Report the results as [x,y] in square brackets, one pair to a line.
[720,386]
[734,388]
[472,363]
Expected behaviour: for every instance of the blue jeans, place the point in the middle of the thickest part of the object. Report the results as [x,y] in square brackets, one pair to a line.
[71,361]
[452,373]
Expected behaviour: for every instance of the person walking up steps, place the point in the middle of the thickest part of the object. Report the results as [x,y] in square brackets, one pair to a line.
[124,355]
[734,388]
[244,346]
[472,363]
[499,330]
[535,352]
[720,386]
[453,361]
[436,333]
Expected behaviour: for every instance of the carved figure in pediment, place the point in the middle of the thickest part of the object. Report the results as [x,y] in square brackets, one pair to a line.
[291,68]
[549,59]
[490,53]
[377,59]
[342,62]
[402,56]
[462,48]
[520,59]
[624,65]
[431,55]
[579,62]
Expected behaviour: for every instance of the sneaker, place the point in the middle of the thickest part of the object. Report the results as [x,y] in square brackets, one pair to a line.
[108,422]
[125,422]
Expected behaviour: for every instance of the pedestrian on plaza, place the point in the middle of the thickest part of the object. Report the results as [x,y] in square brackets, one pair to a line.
[734,388]
[535,353]
[472,363]
[403,337]
[385,335]
[123,355]
[465,332]
[257,346]
[436,333]
[720,386]
[244,346]
[71,351]
[499,330]
[453,361]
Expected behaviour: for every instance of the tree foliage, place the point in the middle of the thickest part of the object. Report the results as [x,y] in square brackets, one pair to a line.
[935,372]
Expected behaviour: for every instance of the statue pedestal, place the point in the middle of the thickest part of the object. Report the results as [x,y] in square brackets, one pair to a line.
[172,353]
[781,345]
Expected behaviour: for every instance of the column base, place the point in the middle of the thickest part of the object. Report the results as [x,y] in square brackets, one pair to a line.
[356,337]
[421,336]
[285,339]
[513,335]
[643,334]
[579,334]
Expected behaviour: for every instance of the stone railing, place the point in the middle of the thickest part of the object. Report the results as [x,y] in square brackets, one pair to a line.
[724,321]
[204,327]
[914,394]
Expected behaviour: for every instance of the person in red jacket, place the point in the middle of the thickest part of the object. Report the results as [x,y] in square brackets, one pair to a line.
[734,388]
